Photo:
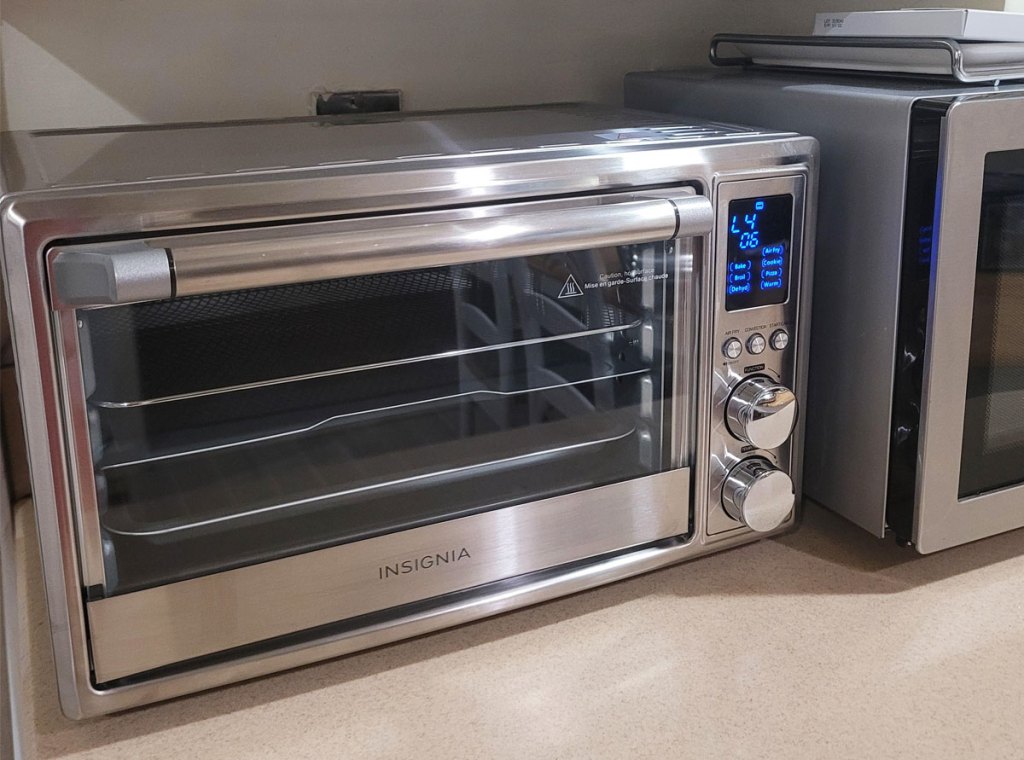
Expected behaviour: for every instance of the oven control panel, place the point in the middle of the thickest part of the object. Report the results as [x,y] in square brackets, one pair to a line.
[754,368]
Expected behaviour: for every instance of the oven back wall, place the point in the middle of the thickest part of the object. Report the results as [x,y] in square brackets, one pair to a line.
[68,63]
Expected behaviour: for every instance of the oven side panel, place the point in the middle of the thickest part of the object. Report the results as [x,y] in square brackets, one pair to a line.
[864,151]
[36,372]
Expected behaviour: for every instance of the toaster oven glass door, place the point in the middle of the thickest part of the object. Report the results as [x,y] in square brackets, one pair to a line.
[233,428]
[970,481]
[241,427]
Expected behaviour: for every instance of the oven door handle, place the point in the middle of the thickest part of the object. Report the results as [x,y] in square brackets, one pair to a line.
[103,274]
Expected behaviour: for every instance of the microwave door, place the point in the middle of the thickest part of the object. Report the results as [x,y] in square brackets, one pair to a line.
[971,475]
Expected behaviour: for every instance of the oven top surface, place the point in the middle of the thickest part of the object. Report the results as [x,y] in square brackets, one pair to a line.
[79,158]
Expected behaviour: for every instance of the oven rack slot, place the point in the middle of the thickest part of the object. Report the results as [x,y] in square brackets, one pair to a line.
[572,370]
[477,395]
[293,475]
[455,353]
[223,342]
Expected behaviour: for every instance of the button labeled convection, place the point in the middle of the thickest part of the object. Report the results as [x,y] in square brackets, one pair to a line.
[756,343]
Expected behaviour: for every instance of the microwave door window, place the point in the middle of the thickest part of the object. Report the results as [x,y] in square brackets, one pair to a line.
[993,443]
[240,427]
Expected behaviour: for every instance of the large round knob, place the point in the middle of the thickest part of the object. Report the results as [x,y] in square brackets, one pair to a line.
[758,495]
[761,412]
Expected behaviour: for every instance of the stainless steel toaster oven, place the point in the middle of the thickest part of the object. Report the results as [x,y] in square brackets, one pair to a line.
[302,387]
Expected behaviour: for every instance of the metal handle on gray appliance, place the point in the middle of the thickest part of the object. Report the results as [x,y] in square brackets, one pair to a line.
[118,273]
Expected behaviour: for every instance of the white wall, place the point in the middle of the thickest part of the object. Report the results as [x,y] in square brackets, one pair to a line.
[92,62]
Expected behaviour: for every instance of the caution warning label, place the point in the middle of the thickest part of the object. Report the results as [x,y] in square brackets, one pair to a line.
[570,289]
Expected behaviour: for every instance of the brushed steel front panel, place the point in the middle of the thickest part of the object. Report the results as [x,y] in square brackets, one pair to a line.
[148,629]
[725,450]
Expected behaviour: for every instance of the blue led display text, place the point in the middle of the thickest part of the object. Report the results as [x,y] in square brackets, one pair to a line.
[757,267]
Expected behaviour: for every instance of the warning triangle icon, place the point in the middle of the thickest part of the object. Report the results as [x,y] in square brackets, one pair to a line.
[570,289]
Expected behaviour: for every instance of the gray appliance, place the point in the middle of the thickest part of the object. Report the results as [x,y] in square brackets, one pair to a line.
[916,401]
[298,388]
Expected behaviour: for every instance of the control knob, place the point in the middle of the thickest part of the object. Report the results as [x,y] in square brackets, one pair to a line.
[761,413]
[758,495]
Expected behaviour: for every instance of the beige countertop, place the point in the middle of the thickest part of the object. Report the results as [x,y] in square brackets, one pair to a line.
[824,643]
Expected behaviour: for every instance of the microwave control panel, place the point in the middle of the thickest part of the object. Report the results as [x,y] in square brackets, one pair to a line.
[753,353]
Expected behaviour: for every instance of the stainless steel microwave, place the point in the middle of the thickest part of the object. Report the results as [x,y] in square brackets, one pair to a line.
[298,388]
[916,403]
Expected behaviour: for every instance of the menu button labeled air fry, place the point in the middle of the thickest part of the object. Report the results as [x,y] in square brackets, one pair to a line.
[732,349]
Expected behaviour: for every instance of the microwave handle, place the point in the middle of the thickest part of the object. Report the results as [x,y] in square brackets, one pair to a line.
[104,274]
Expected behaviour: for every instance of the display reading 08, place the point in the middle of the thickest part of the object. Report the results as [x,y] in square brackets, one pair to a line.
[757,265]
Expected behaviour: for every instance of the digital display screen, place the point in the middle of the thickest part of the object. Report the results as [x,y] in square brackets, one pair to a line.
[757,264]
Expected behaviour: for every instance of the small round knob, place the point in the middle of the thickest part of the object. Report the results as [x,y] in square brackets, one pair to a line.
[761,412]
[732,349]
[758,495]
[779,340]
[756,344]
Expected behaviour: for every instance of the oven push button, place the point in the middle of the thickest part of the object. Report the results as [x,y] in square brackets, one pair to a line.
[732,349]
[779,340]
[756,344]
